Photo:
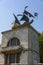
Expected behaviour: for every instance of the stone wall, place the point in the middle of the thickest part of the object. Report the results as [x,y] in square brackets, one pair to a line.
[29,40]
[1,59]
[34,46]
[22,35]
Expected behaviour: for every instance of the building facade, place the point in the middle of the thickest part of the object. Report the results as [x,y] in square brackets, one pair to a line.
[20,45]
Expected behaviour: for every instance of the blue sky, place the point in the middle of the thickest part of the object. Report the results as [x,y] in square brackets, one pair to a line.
[8,7]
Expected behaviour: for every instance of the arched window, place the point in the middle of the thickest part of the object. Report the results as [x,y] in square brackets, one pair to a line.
[13,42]
[12,58]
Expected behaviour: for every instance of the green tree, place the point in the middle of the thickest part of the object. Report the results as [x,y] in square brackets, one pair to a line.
[41,47]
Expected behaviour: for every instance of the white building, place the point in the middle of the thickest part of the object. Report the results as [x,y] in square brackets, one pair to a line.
[20,45]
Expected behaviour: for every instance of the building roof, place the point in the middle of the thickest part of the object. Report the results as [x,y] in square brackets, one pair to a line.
[21,26]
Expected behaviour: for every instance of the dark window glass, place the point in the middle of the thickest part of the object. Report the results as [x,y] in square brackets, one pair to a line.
[8,43]
[6,59]
[12,58]
[18,42]
[17,58]
[13,42]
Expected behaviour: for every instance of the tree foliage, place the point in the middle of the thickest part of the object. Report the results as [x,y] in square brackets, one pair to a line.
[41,47]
